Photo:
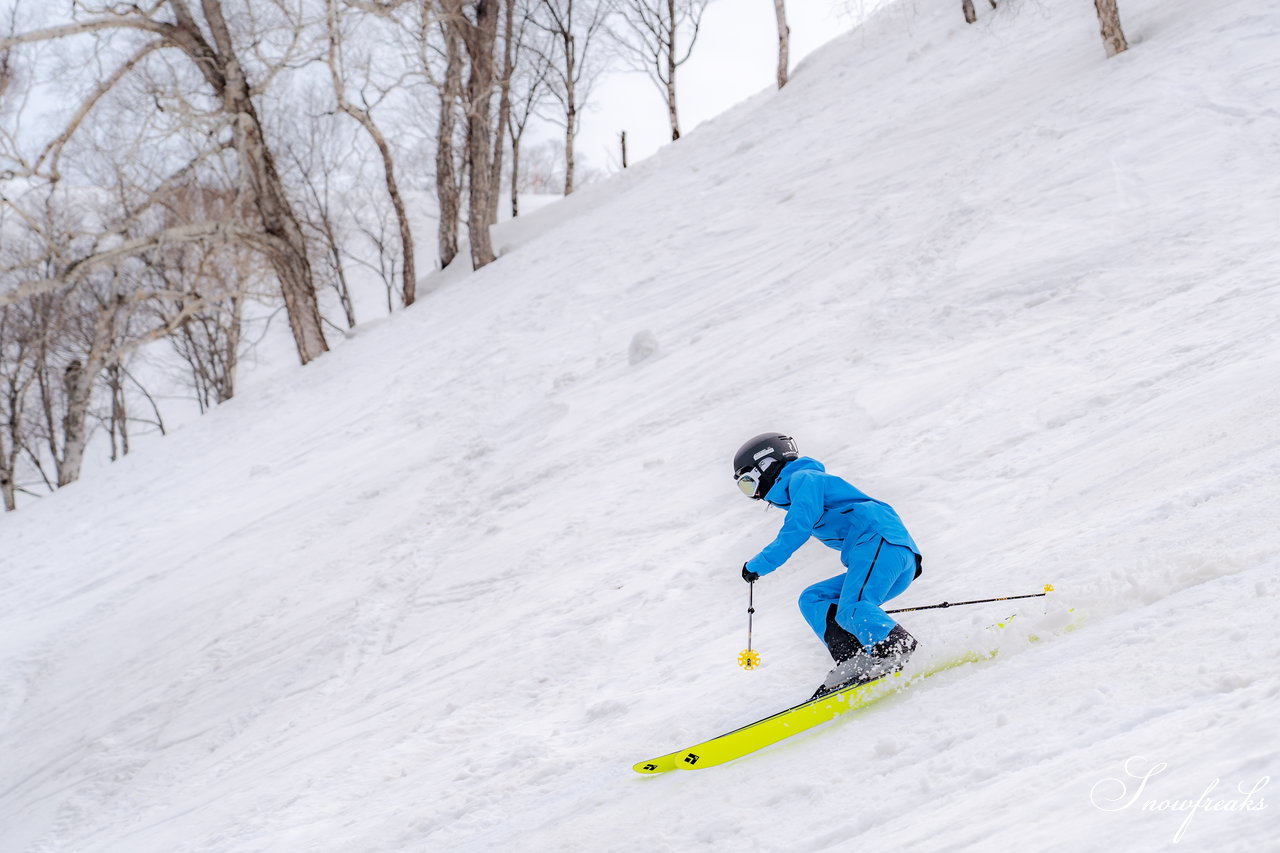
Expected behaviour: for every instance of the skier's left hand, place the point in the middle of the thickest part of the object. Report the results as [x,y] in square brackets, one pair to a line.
[749,577]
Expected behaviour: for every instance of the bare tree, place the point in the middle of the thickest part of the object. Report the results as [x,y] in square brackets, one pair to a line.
[448,178]
[476,25]
[90,321]
[378,232]
[123,386]
[657,37]
[521,85]
[542,172]
[83,333]
[17,375]
[528,90]
[542,169]
[1112,33]
[509,55]
[87,333]
[209,44]
[207,326]
[784,41]
[209,342]
[362,112]
[318,159]
[72,333]
[573,26]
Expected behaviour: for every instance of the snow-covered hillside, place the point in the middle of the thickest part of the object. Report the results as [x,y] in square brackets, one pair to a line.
[441,588]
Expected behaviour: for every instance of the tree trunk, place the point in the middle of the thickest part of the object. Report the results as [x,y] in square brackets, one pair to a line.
[78,381]
[970,14]
[671,70]
[8,490]
[289,262]
[515,176]
[231,355]
[409,275]
[570,132]
[504,107]
[339,269]
[570,112]
[9,453]
[284,244]
[448,189]
[18,376]
[784,41]
[480,39]
[119,412]
[1112,33]
[74,435]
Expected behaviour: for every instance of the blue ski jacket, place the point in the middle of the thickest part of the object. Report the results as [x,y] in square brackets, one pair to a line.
[830,510]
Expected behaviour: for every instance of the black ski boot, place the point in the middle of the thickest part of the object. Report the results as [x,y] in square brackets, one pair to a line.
[840,643]
[870,662]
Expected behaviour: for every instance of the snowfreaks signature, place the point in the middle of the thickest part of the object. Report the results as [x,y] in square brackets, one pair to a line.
[1113,795]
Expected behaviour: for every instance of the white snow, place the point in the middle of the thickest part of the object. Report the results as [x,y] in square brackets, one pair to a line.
[440,589]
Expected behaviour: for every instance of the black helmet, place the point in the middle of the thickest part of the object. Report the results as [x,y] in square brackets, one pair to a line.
[757,463]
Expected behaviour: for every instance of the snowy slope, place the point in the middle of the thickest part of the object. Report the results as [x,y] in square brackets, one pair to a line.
[441,588]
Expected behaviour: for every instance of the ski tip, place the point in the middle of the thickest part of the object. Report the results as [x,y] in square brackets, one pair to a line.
[654,766]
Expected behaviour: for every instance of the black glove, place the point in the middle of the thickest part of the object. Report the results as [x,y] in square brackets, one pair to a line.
[749,577]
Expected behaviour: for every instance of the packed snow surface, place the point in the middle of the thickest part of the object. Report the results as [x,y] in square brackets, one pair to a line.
[440,589]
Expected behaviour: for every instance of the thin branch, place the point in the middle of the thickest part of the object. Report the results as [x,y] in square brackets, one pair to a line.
[53,151]
[83,27]
[168,237]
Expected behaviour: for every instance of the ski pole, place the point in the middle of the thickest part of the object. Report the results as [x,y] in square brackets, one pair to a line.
[749,659]
[1048,588]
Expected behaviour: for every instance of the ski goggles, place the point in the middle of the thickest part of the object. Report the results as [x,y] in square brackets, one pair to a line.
[749,482]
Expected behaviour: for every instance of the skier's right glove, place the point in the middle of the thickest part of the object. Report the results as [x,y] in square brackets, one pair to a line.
[748,576]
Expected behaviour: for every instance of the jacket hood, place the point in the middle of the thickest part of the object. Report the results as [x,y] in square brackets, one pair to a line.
[780,493]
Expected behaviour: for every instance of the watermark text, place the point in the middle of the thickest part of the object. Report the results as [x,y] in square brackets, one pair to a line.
[1117,794]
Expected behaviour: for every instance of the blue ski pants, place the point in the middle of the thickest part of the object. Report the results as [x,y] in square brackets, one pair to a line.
[877,572]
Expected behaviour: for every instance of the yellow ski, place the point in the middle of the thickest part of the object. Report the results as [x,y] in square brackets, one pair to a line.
[806,715]
[661,764]
[793,721]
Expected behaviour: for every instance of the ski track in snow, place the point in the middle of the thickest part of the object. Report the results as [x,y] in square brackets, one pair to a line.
[440,589]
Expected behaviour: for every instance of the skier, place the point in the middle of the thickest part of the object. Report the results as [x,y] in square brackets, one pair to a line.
[880,557]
